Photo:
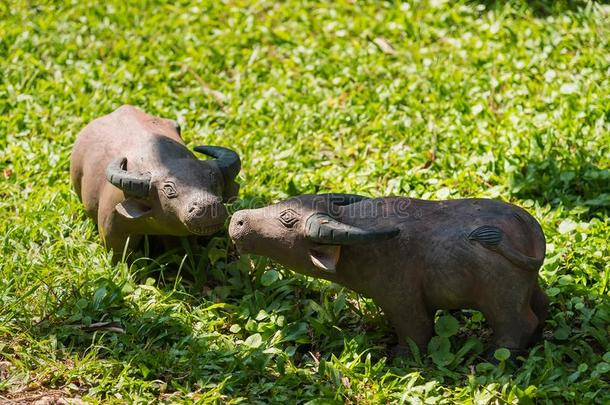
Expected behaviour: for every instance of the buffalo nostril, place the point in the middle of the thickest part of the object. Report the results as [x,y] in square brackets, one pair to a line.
[196,210]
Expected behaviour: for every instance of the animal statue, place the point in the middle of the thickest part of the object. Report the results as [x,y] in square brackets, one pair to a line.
[136,177]
[412,257]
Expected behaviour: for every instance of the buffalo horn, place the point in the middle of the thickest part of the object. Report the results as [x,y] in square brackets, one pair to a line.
[227,160]
[135,184]
[322,228]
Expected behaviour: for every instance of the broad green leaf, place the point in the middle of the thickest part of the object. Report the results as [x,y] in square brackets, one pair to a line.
[502,354]
[254,341]
[446,326]
[269,277]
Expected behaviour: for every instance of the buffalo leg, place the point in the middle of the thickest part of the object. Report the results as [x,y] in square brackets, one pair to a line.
[539,304]
[117,244]
[111,230]
[411,322]
[513,326]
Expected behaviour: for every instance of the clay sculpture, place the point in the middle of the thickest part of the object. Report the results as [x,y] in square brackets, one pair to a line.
[136,177]
[412,257]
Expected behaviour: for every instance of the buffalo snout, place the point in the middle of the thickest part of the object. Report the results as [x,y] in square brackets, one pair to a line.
[239,225]
[197,209]
[205,216]
[240,228]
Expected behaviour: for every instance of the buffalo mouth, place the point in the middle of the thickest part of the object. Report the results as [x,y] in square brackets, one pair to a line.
[242,247]
[206,229]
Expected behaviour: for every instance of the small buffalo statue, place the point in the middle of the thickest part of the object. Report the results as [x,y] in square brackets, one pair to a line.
[136,177]
[412,257]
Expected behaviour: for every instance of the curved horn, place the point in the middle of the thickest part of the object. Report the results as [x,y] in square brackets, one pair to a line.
[135,184]
[227,160]
[322,228]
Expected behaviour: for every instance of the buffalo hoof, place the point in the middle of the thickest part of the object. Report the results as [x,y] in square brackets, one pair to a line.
[402,352]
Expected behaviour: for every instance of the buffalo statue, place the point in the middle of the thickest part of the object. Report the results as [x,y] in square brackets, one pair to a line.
[136,177]
[412,257]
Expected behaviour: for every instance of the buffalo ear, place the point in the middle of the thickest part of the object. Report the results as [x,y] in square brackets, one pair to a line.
[133,209]
[325,257]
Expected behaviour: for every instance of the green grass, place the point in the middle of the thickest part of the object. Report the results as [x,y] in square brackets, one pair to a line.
[443,99]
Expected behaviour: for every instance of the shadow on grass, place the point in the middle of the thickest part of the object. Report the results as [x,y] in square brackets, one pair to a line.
[541,8]
[164,336]
[164,339]
[178,339]
[549,181]
[162,344]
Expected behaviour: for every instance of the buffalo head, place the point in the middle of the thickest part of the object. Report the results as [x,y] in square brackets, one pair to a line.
[302,232]
[172,192]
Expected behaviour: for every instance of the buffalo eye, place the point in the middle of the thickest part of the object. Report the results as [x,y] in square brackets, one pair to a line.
[169,189]
[289,218]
